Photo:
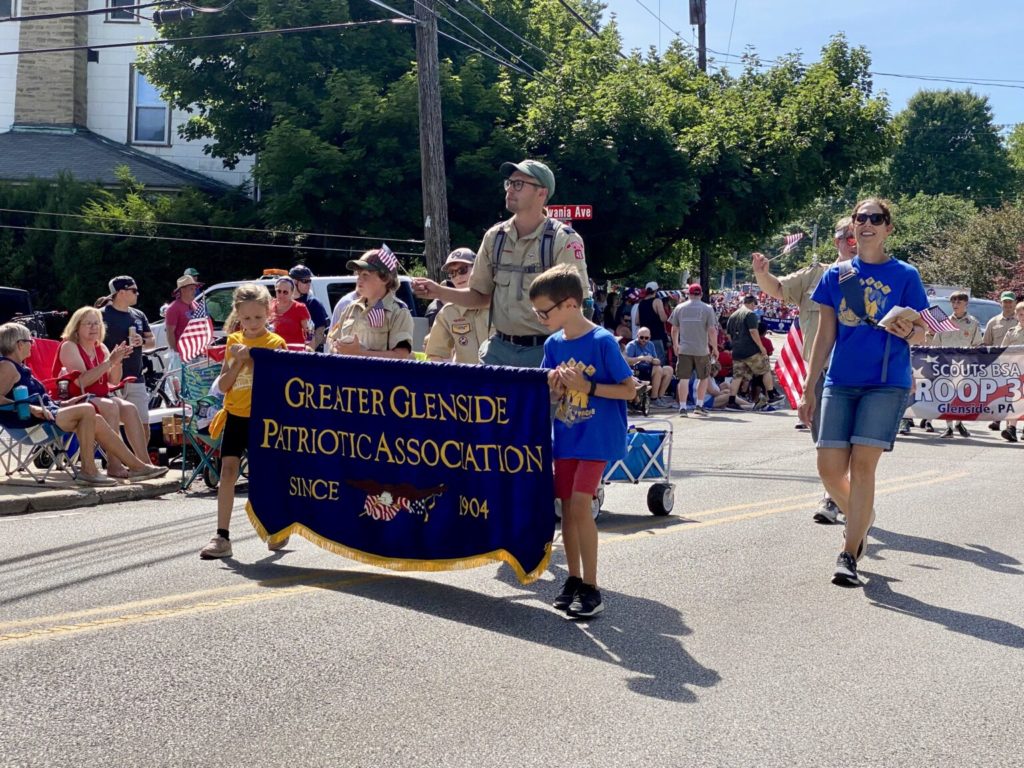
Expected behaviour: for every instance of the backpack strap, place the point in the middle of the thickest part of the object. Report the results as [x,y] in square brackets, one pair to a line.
[547,247]
[853,295]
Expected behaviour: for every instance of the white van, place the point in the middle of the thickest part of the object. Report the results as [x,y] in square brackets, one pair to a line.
[327,289]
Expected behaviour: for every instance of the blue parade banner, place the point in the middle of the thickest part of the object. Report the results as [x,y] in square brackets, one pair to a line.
[778,325]
[402,464]
[968,384]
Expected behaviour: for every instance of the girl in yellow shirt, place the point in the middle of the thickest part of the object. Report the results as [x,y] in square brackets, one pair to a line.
[250,309]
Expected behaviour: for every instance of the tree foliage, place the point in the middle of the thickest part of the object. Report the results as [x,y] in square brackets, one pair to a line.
[946,144]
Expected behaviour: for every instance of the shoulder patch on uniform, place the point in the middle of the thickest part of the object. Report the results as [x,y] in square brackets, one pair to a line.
[569,230]
[576,247]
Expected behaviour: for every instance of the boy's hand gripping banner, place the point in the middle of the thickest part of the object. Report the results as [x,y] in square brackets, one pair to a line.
[403,465]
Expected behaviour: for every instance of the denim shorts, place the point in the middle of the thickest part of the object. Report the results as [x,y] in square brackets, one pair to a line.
[861,416]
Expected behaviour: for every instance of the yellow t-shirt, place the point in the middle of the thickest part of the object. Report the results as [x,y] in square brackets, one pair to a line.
[238,402]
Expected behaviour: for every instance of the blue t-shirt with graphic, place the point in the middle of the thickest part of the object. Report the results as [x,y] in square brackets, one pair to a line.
[592,428]
[858,357]
[636,349]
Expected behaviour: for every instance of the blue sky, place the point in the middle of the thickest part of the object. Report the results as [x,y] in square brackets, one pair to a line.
[945,38]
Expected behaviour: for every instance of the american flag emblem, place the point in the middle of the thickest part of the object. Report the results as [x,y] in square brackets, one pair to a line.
[197,334]
[937,320]
[789,241]
[375,317]
[387,256]
[790,368]
[384,506]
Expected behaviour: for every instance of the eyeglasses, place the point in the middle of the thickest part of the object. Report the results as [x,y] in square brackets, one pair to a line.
[281,292]
[517,184]
[543,313]
[304,282]
[459,271]
[874,218]
[26,341]
[643,338]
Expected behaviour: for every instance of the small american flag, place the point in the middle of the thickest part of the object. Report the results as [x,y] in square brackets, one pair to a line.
[790,368]
[789,242]
[197,334]
[937,320]
[375,317]
[388,257]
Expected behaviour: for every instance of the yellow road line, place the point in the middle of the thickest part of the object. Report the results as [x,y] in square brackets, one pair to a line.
[139,611]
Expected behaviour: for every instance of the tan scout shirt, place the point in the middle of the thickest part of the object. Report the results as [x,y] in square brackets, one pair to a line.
[797,289]
[396,329]
[511,311]
[458,329]
[1014,337]
[969,334]
[996,329]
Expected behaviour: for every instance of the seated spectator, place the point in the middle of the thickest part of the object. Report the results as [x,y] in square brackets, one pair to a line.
[643,356]
[76,415]
[83,351]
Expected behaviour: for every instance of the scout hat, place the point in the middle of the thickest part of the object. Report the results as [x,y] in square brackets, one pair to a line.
[380,260]
[1008,296]
[533,168]
[461,256]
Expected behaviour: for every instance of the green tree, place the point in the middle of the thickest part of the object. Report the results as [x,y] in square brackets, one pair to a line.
[924,223]
[946,144]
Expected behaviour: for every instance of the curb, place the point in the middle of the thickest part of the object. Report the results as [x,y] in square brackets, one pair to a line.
[20,500]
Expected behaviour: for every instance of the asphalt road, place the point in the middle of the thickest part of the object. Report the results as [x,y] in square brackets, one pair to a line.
[723,643]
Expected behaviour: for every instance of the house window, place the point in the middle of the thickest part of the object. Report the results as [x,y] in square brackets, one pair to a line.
[7,9]
[150,115]
[122,16]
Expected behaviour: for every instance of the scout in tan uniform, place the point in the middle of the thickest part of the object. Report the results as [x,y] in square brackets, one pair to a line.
[996,329]
[796,288]
[1014,338]
[968,334]
[511,255]
[458,332]
[375,324]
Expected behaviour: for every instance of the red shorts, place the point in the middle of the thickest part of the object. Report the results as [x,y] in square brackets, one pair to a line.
[577,476]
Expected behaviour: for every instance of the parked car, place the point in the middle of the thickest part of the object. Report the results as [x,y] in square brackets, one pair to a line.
[327,289]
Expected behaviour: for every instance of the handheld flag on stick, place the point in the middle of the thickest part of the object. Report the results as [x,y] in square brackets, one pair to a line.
[789,242]
[937,320]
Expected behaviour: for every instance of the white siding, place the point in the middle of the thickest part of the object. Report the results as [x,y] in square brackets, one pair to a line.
[109,91]
[8,73]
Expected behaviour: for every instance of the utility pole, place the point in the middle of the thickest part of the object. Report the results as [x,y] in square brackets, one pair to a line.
[698,17]
[435,190]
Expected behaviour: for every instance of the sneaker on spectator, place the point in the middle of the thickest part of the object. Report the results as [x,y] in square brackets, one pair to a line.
[683,411]
[800,425]
[700,410]
[827,513]
[845,573]
[733,406]
[666,402]
[962,429]
[218,547]
[568,593]
[587,602]
[762,401]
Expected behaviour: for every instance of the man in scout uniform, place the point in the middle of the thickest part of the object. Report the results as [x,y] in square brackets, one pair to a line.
[511,255]
[796,288]
[997,327]
[968,334]
[457,332]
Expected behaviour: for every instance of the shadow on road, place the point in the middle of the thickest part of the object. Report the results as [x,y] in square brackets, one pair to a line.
[879,590]
[636,634]
[977,554]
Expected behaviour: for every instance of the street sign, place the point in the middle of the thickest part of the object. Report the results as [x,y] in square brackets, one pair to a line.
[570,212]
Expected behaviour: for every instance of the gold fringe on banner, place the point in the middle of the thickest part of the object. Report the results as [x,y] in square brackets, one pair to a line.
[401,564]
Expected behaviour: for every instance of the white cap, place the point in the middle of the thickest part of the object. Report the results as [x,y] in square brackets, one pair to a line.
[651,286]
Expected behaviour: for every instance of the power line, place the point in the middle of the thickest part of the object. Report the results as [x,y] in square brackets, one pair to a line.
[511,32]
[89,12]
[205,226]
[516,57]
[732,24]
[223,36]
[188,239]
[675,32]
[592,29]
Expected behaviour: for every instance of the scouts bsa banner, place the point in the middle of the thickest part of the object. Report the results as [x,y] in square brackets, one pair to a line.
[975,384]
[401,464]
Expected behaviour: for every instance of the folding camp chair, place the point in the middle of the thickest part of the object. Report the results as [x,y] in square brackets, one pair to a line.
[36,451]
[198,410]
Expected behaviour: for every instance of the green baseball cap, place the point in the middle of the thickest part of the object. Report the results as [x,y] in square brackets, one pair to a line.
[1008,296]
[533,168]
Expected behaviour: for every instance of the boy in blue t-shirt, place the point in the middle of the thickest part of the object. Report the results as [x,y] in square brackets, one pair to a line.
[591,383]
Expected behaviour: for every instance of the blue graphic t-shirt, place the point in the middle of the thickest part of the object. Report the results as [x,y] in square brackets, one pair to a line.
[859,353]
[586,427]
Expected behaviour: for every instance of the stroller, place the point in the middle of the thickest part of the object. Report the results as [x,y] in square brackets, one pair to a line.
[641,402]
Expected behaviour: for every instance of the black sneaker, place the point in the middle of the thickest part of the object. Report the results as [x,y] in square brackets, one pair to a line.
[994,426]
[962,429]
[927,426]
[947,433]
[569,589]
[1010,433]
[587,602]
[732,405]
[845,574]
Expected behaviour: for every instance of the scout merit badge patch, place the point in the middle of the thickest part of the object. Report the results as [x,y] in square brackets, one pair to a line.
[461,329]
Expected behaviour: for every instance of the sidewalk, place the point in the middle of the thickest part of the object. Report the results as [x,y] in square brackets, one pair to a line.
[18,498]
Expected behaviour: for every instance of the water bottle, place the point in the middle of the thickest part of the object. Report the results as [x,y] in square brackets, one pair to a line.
[21,399]
[63,386]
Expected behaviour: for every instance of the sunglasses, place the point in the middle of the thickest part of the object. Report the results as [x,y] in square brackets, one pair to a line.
[517,184]
[643,338]
[543,313]
[459,271]
[874,218]
[280,292]
[304,282]
[132,290]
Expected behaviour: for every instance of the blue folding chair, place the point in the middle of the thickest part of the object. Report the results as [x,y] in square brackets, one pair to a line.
[37,450]
[200,452]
